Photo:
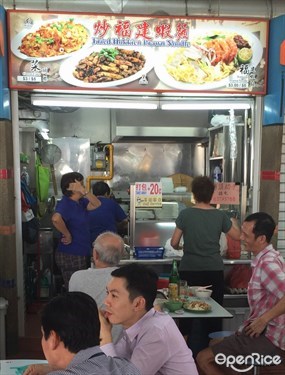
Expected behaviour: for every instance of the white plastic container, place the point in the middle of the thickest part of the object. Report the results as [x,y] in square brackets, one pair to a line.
[3,310]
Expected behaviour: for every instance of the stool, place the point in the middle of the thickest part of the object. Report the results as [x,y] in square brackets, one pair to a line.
[216,337]
[162,283]
[220,334]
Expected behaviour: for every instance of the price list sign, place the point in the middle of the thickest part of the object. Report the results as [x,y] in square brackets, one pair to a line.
[226,193]
[148,194]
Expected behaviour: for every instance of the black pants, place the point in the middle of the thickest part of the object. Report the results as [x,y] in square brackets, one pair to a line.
[198,330]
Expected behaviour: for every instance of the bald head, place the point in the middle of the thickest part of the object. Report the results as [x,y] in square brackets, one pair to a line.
[108,248]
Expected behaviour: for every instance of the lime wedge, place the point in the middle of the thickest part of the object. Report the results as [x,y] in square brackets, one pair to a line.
[244,55]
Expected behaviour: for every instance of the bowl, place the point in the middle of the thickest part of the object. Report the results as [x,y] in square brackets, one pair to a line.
[192,290]
[205,293]
[173,305]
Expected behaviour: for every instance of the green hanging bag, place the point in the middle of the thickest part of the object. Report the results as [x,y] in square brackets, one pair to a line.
[42,181]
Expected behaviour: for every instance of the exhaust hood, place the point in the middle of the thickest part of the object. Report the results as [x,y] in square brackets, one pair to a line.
[121,133]
[159,126]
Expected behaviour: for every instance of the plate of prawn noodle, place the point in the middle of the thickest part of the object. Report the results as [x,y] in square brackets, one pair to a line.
[197,306]
[106,67]
[51,41]
[211,60]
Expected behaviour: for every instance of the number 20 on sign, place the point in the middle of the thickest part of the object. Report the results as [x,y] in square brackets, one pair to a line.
[148,194]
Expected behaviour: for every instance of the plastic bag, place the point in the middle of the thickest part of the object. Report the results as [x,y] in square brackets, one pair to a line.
[223,244]
[239,276]
[30,230]
[170,252]
[42,181]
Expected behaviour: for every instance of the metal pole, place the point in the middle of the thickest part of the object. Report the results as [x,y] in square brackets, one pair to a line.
[132,216]
[18,218]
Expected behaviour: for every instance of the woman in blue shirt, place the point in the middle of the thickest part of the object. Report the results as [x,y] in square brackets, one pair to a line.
[71,220]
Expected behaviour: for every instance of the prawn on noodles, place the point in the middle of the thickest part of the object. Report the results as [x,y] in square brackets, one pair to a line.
[208,59]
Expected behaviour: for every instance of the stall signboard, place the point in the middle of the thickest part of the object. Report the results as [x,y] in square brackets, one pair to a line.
[148,194]
[226,193]
[126,53]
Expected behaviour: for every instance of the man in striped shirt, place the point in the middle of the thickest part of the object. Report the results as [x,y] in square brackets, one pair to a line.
[263,333]
[70,341]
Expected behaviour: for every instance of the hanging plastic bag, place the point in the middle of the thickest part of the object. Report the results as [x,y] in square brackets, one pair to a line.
[30,230]
[42,181]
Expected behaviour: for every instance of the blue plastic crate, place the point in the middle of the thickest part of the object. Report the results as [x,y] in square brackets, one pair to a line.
[149,252]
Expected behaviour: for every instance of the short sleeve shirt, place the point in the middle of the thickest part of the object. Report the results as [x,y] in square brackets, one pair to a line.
[201,234]
[75,216]
[105,217]
[265,288]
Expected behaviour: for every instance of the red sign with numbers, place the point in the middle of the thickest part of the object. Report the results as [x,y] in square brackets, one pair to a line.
[148,194]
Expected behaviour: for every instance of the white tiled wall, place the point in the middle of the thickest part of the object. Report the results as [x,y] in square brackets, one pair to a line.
[281,219]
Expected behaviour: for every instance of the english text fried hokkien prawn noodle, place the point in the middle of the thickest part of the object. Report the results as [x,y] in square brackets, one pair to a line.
[109,64]
[54,39]
[208,59]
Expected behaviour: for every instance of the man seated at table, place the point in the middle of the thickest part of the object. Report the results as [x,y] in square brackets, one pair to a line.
[264,330]
[70,340]
[151,339]
[108,249]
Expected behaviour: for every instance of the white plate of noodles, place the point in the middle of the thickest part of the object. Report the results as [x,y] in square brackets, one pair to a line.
[212,58]
[51,40]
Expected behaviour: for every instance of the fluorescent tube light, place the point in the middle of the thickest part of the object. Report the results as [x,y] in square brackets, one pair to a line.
[81,92]
[206,105]
[53,101]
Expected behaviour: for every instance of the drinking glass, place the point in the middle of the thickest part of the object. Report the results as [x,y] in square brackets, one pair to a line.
[183,288]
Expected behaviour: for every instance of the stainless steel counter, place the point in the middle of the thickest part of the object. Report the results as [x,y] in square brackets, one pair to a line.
[148,261]
[169,261]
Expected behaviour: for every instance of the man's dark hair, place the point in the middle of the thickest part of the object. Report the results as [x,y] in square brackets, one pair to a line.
[140,281]
[203,189]
[264,225]
[101,188]
[67,179]
[75,318]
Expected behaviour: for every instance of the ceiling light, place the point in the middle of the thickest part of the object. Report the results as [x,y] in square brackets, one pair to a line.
[223,105]
[57,101]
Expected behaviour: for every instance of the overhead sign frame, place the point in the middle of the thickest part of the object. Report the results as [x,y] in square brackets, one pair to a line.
[208,50]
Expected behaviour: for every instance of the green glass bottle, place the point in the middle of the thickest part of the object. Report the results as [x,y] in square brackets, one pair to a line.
[173,287]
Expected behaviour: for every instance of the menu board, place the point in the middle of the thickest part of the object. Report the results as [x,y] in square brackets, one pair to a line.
[56,50]
[148,194]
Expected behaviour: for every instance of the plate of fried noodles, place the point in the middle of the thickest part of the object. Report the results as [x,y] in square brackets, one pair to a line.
[211,60]
[50,41]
